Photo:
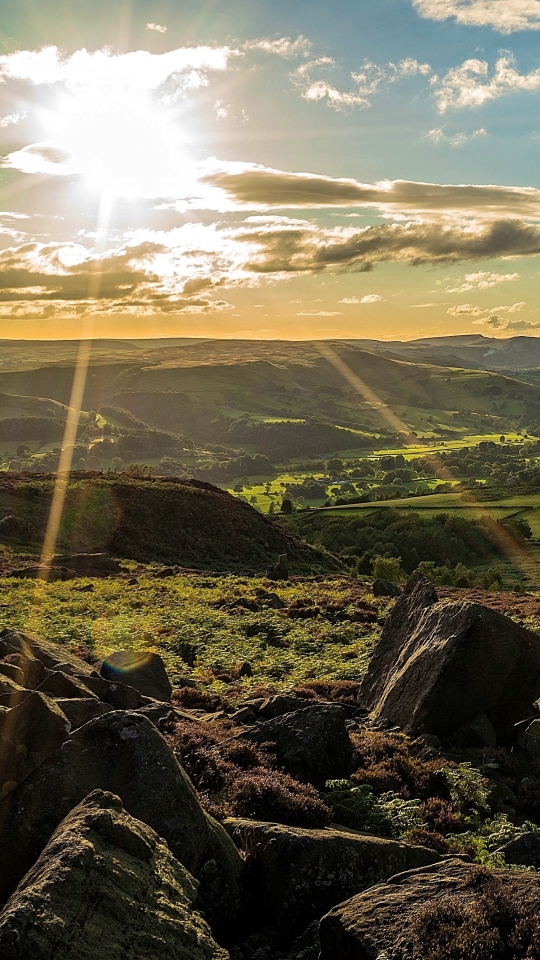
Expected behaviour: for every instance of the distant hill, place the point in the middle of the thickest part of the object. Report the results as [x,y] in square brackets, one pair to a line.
[188,523]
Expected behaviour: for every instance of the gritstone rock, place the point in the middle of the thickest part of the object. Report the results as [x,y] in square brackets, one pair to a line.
[312,744]
[30,733]
[377,923]
[140,669]
[124,753]
[439,666]
[105,887]
[296,875]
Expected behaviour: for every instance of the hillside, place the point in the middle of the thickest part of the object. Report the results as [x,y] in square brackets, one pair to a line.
[190,524]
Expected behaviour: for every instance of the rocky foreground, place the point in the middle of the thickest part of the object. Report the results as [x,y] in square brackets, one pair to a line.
[109,850]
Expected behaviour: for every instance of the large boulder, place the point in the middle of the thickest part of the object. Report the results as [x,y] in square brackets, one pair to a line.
[141,669]
[380,922]
[439,667]
[105,887]
[59,684]
[30,733]
[120,696]
[124,753]
[312,744]
[296,875]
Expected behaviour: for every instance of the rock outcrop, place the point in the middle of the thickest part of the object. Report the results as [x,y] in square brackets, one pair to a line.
[30,733]
[124,753]
[296,875]
[105,887]
[377,923]
[440,666]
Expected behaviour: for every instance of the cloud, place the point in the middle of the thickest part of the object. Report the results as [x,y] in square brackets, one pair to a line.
[483,280]
[505,16]
[157,27]
[471,85]
[437,135]
[281,47]
[251,185]
[319,313]
[368,298]
[499,323]
[475,311]
[366,81]
[12,119]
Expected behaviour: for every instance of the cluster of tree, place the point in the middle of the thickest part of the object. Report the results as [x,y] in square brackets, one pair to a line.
[445,540]
[43,429]
[244,466]
[284,440]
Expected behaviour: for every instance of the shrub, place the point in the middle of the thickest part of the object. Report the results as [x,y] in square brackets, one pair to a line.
[191,698]
[389,761]
[269,795]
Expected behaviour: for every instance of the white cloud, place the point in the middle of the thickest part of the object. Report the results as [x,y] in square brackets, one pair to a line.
[156,27]
[437,135]
[499,323]
[472,85]
[12,119]
[368,298]
[319,313]
[475,311]
[505,16]
[281,47]
[483,281]
[367,81]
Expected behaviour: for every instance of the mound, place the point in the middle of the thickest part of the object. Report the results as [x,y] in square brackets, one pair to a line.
[189,523]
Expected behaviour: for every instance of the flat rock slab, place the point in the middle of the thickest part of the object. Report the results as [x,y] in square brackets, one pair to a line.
[50,654]
[440,666]
[295,875]
[106,887]
[377,923]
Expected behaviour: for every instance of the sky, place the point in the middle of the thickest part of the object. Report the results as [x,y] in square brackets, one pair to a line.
[267,169]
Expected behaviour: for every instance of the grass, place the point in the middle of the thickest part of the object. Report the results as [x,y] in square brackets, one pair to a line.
[183,618]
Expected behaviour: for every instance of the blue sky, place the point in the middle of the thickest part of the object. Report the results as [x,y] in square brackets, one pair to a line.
[269,169]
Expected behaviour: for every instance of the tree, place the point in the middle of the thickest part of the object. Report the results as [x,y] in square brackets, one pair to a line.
[388,568]
[286,506]
[23,450]
[271,508]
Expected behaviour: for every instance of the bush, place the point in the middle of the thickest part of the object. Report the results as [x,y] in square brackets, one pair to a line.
[268,795]
[388,568]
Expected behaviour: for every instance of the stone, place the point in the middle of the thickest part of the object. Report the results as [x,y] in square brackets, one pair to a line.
[312,744]
[50,654]
[157,712]
[244,715]
[477,733]
[60,685]
[124,753]
[141,669]
[278,705]
[105,887]
[34,672]
[377,923]
[120,696]
[12,671]
[383,588]
[81,711]
[9,688]
[440,665]
[295,875]
[530,740]
[524,851]
[70,566]
[30,733]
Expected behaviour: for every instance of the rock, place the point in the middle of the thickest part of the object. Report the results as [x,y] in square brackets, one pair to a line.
[30,733]
[383,588]
[157,712]
[32,669]
[50,654]
[377,923]
[245,670]
[439,666]
[124,753]
[12,671]
[501,799]
[81,711]
[143,670]
[280,704]
[272,600]
[312,744]
[530,740]
[523,851]
[60,685]
[70,566]
[105,887]
[477,733]
[244,715]
[295,875]
[120,696]
[280,570]
[8,689]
